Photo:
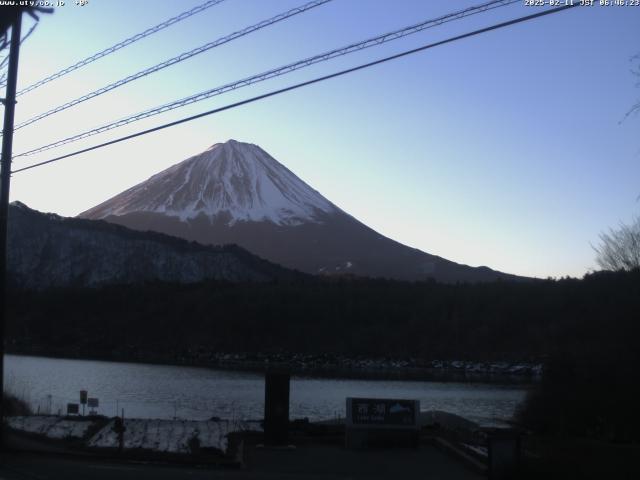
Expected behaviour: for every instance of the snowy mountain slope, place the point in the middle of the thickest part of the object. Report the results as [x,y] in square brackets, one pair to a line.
[237,193]
[238,180]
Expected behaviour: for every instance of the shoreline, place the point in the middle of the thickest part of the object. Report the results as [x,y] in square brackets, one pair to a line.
[339,367]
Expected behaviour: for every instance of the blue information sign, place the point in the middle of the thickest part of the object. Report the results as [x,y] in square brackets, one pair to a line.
[383,412]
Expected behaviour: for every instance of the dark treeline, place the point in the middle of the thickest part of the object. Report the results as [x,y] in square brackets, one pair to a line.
[594,318]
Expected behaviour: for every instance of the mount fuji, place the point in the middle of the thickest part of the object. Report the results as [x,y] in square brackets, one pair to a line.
[236,192]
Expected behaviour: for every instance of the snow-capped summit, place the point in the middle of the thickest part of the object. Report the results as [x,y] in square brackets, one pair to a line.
[236,192]
[238,180]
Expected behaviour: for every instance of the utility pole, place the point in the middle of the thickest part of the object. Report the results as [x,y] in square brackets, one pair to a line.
[5,180]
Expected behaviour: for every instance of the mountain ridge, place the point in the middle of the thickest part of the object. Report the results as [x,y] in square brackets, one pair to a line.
[293,225]
[47,250]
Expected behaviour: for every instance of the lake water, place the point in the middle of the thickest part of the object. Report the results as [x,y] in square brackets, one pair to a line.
[162,391]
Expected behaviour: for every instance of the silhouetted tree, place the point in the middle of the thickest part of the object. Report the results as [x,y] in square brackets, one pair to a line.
[620,248]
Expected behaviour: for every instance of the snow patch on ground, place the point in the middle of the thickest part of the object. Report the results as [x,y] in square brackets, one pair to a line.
[173,436]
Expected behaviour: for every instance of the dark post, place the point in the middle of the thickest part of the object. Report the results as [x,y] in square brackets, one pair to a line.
[83,400]
[276,408]
[504,453]
[5,180]
[119,428]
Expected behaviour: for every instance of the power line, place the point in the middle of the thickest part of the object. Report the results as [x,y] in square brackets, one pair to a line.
[304,84]
[371,42]
[122,44]
[177,59]
[5,60]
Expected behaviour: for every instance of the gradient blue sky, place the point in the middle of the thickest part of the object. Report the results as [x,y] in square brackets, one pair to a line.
[504,150]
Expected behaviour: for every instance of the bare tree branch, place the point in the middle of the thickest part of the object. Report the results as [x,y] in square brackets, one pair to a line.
[620,248]
[634,71]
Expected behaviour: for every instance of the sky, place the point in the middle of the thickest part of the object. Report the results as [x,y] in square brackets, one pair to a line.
[510,149]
